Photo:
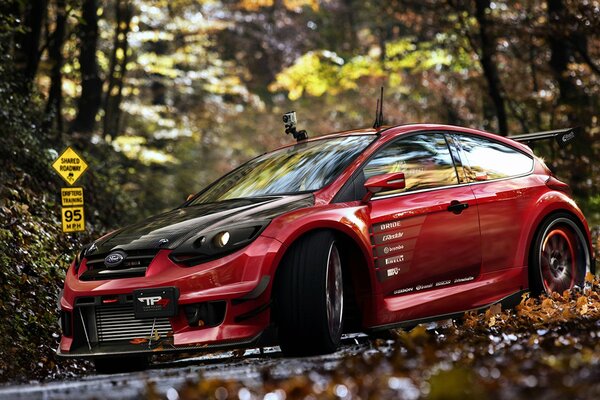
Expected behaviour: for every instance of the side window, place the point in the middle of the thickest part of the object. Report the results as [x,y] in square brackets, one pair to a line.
[424,159]
[487,160]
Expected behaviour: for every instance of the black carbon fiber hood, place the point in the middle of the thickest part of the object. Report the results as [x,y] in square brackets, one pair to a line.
[171,228]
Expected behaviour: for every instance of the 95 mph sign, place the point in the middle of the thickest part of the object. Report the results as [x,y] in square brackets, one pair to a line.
[70,166]
[73,219]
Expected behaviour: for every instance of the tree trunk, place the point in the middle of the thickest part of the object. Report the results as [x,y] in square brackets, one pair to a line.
[488,65]
[560,54]
[27,43]
[118,64]
[349,10]
[573,102]
[55,56]
[91,84]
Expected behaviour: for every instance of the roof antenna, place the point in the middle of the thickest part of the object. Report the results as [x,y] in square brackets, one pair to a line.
[379,111]
[376,123]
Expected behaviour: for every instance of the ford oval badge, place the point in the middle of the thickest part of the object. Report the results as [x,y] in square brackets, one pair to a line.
[114,259]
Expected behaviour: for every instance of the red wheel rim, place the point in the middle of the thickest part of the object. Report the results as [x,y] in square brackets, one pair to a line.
[557,261]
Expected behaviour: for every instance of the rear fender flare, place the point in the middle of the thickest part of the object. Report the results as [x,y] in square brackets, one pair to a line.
[548,204]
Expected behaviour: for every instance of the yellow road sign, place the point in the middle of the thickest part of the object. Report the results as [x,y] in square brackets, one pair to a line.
[73,219]
[70,166]
[72,196]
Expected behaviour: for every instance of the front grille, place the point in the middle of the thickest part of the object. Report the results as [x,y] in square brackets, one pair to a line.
[117,322]
[135,265]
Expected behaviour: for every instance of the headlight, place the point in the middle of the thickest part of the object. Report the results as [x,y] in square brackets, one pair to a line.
[206,246]
[221,239]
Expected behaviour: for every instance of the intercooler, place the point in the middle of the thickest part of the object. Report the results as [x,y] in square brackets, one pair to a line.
[117,323]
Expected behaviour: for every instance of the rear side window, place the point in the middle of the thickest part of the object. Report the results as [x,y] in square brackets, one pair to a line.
[487,160]
[424,159]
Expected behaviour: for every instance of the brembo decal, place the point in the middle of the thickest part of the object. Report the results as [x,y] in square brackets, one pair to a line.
[388,250]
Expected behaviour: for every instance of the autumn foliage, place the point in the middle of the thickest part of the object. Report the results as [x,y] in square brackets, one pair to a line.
[544,347]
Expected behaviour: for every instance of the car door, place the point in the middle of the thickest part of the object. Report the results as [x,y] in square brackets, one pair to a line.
[504,187]
[425,236]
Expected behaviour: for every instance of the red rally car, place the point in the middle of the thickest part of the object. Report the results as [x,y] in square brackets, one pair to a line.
[357,231]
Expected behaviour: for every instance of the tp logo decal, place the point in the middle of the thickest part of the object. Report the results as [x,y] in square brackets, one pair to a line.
[152,300]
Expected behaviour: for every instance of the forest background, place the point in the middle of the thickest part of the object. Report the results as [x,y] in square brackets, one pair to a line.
[161,97]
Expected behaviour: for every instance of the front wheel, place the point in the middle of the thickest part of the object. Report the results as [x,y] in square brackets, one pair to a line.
[560,256]
[309,298]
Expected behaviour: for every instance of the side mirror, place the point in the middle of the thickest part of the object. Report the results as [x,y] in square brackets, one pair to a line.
[383,183]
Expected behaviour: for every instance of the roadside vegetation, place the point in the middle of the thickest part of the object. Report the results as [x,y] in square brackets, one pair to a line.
[161,97]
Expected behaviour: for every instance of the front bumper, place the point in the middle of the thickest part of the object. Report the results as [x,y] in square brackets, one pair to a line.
[241,281]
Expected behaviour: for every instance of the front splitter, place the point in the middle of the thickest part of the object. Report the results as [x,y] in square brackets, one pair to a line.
[128,349]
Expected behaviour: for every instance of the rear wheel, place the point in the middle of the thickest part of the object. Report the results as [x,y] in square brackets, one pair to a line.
[112,365]
[560,257]
[309,298]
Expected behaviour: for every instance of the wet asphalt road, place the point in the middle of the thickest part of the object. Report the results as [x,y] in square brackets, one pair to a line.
[168,377]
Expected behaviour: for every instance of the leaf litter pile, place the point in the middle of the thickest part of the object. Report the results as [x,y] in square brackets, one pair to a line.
[545,347]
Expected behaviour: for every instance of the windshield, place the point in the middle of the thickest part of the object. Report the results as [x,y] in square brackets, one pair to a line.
[304,167]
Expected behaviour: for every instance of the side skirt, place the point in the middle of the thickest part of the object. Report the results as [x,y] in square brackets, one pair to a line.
[509,301]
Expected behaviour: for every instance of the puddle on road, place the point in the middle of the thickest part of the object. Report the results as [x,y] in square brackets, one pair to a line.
[166,377]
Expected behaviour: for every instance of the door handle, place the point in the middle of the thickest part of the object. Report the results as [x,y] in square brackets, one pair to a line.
[457,207]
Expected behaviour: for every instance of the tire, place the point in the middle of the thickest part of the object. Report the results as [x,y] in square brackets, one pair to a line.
[113,365]
[560,256]
[309,298]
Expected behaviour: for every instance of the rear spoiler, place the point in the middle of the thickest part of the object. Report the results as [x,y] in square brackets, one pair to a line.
[562,136]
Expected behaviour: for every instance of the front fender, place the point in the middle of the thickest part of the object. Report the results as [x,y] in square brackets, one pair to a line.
[350,219]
